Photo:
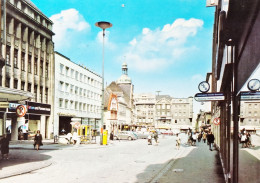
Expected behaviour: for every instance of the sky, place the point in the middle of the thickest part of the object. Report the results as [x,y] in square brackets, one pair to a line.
[167,44]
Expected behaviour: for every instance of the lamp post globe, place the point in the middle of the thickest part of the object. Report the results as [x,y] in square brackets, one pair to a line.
[103,25]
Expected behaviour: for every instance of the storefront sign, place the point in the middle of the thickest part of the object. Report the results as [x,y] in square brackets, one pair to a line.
[38,108]
[4,104]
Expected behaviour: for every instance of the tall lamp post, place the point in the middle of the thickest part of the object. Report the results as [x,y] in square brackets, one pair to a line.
[103,25]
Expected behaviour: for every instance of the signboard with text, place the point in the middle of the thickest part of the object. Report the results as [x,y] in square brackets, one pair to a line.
[205,97]
[249,95]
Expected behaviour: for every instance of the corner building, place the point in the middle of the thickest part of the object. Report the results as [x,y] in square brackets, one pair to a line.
[27,66]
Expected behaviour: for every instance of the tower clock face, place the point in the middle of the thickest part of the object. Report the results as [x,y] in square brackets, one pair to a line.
[204,87]
[253,85]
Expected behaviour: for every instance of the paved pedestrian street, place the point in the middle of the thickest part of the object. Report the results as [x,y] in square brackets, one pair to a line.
[119,162]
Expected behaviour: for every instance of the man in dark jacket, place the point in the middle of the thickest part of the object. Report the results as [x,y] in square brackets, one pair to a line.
[210,138]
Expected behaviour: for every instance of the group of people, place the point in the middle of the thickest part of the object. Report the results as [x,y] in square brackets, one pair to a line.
[245,138]
[193,137]
[4,142]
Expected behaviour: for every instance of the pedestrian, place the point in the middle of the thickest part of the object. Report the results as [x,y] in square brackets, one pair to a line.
[178,141]
[149,139]
[111,136]
[210,138]
[204,137]
[75,137]
[194,138]
[69,137]
[156,137]
[243,140]
[4,146]
[38,140]
[199,136]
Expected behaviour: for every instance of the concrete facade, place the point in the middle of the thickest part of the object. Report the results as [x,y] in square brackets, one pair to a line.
[27,49]
[78,93]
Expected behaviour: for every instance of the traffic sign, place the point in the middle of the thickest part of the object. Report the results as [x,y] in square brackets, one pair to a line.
[249,95]
[204,97]
[20,110]
[216,121]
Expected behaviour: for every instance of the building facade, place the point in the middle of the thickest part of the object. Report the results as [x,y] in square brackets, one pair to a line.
[163,111]
[27,51]
[235,56]
[78,94]
[144,109]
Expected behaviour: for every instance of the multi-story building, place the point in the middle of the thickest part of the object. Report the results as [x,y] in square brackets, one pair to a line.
[144,109]
[163,111]
[78,93]
[182,113]
[163,115]
[27,50]
[250,115]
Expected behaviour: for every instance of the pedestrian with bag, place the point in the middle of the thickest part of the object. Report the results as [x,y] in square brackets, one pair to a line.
[38,140]
[210,139]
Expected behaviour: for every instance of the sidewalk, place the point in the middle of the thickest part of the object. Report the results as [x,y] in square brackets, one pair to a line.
[200,166]
[24,159]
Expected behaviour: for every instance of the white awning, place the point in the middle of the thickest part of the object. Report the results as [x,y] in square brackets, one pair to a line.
[14,94]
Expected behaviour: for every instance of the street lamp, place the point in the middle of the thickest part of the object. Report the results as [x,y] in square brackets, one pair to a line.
[103,25]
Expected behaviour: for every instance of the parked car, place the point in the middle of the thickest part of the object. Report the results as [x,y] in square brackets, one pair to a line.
[167,132]
[142,135]
[125,135]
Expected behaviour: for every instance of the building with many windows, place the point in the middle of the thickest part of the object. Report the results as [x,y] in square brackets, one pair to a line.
[163,111]
[144,109]
[27,67]
[77,95]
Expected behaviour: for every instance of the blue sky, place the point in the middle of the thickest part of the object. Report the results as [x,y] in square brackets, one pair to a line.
[167,44]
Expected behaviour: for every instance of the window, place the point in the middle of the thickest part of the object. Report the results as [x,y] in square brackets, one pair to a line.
[15,83]
[35,92]
[30,64]
[72,73]
[67,71]
[41,68]
[35,66]
[46,95]
[22,85]
[7,61]
[7,82]
[15,58]
[61,86]
[66,104]
[29,87]
[41,94]
[61,103]
[23,62]
[47,70]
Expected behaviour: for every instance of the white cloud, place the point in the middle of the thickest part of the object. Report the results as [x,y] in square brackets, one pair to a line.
[156,49]
[65,24]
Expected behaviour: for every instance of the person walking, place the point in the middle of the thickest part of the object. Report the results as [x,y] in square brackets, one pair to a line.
[199,136]
[210,139]
[204,137]
[4,147]
[38,140]
[156,137]
[178,141]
